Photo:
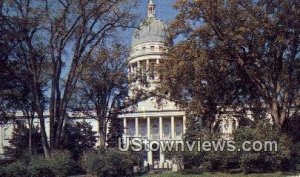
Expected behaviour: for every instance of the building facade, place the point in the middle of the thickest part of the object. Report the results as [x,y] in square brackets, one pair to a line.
[150,118]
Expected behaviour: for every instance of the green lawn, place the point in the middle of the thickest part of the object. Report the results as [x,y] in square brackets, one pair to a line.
[174,174]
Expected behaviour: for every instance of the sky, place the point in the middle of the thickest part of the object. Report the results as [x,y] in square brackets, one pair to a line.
[164,12]
[164,9]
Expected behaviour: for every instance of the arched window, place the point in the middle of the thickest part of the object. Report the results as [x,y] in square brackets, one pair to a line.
[6,133]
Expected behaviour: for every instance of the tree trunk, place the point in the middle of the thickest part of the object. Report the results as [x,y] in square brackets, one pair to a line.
[30,139]
[102,132]
[277,114]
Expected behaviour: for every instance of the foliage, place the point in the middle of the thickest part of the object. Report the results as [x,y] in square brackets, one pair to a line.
[19,144]
[79,138]
[265,160]
[103,86]
[110,163]
[53,33]
[115,132]
[235,55]
[59,165]
[15,169]
[179,174]
[239,159]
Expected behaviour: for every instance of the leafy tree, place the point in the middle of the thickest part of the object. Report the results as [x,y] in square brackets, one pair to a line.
[19,144]
[115,132]
[61,36]
[102,88]
[79,138]
[234,54]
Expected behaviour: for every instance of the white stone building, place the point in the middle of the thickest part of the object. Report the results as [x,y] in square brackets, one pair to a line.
[150,119]
[7,129]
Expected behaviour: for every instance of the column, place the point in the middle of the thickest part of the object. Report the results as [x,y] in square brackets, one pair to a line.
[183,123]
[161,155]
[236,123]
[156,70]
[172,127]
[149,154]
[136,127]
[125,126]
[1,140]
[131,70]
[138,65]
[148,128]
[147,69]
[160,128]
[230,127]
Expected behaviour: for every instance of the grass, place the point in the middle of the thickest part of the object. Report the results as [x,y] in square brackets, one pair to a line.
[175,174]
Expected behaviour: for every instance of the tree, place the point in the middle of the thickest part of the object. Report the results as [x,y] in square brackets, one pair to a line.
[102,87]
[230,52]
[19,144]
[15,89]
[115,131]
[79,138]
[63,34]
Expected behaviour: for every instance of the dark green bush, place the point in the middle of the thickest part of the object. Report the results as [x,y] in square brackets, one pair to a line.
[16,169]
[109,163]
[247,161]
[19,144]
[59,165]
[40,170]
[221,161]
[263,161]
[79,138]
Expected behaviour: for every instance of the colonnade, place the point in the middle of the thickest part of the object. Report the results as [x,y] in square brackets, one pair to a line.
[174,133]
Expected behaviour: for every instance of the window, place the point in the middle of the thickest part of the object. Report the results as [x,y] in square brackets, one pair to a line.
[6,133]
[143,48]
[161,48]
[152,48]
[152,71]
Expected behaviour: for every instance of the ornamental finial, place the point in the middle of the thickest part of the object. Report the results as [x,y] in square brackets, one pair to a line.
[151,9]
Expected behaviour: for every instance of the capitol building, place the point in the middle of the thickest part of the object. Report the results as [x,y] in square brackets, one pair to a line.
[151,118]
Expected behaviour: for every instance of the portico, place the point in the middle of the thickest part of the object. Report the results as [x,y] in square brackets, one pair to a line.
[168,127]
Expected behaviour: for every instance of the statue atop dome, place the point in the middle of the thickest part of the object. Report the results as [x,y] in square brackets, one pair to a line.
[151,9]
[151,29]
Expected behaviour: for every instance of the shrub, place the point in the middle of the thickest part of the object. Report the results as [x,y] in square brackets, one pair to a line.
[79,138]
[248,161]
[109,163]
[19,144]
[59,165]
[40,169]
[16,169]
[221,161]
[263,161]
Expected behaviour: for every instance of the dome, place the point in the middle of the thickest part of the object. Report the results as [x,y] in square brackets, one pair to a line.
[150,30]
